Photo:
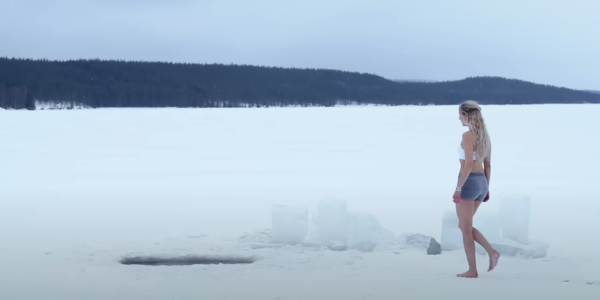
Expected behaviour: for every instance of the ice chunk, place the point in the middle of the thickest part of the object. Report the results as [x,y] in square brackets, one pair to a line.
[289,224]
[332,227]
[421,241]
[363,231]
[386,238]
[489,225]
[332,221]
[337,245]
[415,240]
[260,236]
[515,216]
[312,235]
[510,223]
[509,247]
[451,235]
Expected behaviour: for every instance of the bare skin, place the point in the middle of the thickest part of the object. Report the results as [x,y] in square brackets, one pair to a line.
[466,209]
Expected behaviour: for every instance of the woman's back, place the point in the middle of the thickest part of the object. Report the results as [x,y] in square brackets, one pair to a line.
[478,165]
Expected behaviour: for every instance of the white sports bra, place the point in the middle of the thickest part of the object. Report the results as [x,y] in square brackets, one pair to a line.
[461,153]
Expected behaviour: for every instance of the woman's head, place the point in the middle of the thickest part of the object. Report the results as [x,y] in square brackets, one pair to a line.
[470,115]
[468,111]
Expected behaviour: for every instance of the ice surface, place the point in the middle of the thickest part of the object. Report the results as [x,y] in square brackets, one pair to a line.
[332,220]
[515,217]
[363,231]
[218,171]
[289,224]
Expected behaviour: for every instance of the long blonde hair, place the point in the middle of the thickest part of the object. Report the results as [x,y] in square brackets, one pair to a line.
[472,111]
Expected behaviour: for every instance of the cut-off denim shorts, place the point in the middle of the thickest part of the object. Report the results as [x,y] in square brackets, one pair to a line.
[475,188]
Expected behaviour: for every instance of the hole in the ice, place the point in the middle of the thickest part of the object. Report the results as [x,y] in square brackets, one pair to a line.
[186,260]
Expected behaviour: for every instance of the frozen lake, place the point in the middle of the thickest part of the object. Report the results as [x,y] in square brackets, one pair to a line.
[88,181]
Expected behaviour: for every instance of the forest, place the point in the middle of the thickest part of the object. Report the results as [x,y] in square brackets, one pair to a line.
[25,83]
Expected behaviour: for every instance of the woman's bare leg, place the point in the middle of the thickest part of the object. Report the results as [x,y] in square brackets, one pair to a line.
[465,210]
[481,240]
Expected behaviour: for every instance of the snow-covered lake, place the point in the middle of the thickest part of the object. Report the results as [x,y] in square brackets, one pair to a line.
[79,188]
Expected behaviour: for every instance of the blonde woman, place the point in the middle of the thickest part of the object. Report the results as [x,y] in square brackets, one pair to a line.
[473,183]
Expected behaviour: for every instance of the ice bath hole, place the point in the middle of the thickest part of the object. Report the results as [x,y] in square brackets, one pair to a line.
[186,260]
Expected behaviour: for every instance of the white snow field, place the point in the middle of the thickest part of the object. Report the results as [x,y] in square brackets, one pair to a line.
[80,189]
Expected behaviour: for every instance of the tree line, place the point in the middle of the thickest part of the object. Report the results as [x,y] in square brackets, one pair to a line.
[114,83]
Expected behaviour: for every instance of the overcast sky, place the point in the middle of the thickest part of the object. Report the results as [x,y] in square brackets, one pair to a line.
[545,41]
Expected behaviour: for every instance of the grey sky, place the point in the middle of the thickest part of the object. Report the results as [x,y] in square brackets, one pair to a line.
[545,41]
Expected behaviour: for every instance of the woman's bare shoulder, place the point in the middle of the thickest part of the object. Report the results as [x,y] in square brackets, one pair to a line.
[468,136]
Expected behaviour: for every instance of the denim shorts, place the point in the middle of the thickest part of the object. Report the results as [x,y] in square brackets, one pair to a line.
[475,188]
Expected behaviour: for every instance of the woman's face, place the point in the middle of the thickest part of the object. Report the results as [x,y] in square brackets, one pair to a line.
[463,119]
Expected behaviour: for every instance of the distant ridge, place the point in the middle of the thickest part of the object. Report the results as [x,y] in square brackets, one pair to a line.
[414,80]
[28,83]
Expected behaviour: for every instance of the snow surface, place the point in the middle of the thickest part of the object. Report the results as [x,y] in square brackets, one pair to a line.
[56,105]
[82,188]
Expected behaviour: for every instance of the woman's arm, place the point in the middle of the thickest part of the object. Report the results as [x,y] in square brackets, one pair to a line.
[468,142]
[487,168]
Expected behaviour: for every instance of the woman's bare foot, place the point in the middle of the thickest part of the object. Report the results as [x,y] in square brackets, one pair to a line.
[494,257]
[468,274]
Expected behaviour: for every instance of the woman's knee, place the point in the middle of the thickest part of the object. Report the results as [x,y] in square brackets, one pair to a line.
[466,227]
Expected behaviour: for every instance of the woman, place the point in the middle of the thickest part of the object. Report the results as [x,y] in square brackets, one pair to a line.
[473,183]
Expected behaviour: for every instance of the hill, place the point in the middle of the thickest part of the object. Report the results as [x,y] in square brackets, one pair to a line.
[113,83]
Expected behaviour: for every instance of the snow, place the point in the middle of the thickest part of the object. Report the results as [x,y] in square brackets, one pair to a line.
[83,188]
[55,105]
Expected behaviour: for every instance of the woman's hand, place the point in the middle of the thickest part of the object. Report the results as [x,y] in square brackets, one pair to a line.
[456,197]
[487,197]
